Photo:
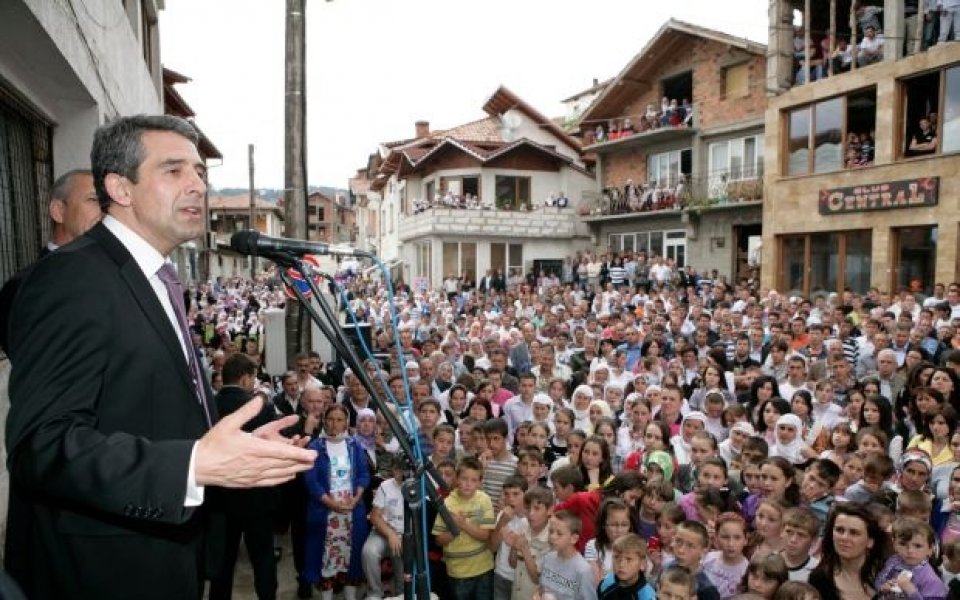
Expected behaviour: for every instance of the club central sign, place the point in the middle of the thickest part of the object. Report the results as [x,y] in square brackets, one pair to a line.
[909,193]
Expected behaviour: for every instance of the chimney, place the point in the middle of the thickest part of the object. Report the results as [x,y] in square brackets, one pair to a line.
[596,82]
[423,129]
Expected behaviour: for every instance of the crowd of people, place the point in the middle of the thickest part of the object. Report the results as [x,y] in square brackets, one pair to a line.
[830,55]
[860,150]
[671,114]
[474,202]
[634,432]
[639,197]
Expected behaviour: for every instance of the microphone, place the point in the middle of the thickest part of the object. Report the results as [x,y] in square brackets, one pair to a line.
[252,243]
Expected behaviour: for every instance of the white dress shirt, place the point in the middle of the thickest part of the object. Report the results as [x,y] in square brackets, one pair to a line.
[150,261]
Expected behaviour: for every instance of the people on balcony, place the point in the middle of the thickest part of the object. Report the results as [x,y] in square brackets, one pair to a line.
[871,47]
[672,114]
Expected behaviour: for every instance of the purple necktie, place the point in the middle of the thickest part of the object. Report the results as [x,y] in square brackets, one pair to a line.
[175,292]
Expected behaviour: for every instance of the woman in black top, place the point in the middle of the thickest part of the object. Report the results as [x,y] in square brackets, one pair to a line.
[854,549]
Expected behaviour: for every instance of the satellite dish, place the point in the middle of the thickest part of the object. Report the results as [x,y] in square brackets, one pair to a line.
[509,123]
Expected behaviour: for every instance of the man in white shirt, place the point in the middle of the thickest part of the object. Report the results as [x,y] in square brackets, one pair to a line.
[520,408]
[871,47]
[110,418]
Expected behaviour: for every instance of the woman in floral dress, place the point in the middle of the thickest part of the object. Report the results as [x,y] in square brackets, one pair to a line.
[336,517]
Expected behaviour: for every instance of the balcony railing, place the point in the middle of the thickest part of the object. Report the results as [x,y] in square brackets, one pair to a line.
[541,222]
[686,192]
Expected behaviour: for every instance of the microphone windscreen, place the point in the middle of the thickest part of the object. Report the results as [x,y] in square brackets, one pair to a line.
[245,242]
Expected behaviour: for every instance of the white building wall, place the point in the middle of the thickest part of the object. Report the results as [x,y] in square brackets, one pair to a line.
[541,135]
[390,213]
[74,71]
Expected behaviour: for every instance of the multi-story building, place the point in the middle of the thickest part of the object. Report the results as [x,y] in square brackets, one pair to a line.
[499,193]
[62,74]
[857,195]
[230,214]
[682,182]
[367,205]
[331,220]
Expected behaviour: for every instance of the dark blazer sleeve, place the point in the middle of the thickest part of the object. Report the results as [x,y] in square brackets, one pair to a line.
[89,388]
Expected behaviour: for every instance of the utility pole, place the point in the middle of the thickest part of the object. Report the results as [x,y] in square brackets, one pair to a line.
[295,168]
[253,208]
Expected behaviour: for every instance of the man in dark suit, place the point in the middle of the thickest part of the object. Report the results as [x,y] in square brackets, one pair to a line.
[73,210]
[110,438]
[246,512]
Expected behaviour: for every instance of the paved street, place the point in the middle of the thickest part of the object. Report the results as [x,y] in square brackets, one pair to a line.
[286,576]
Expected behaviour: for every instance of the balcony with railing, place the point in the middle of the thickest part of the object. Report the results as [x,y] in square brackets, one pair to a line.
[643,129]
[539,222]
[683,193]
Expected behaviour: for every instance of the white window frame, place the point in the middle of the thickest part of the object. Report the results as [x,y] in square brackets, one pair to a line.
[668,239]
[656,163]
[736,147]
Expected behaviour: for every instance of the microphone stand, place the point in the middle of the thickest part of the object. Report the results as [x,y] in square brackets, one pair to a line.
[415,561]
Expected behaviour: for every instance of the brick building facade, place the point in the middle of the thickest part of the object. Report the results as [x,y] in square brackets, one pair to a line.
[697,182]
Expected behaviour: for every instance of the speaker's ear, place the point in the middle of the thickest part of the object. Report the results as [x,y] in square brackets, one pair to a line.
[118,188]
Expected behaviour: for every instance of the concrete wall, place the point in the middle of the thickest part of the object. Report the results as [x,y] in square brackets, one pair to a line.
[790,203]
[74,72]
[548,223]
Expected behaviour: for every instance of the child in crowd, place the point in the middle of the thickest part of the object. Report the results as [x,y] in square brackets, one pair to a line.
[615,519]
[520,436]
[508,523]
[730,448]
[909,571]
[563,420]
[498,462]
[841,442]
[564,572]
[768,533]
[765,575]
[690,545]
[530,466]
[693,422]
[466,441]
[727,565]
[661,550]
[655,495]
[703,446]
[677,583]
[950,569]
[713,404]
[627,581]
[870,440]
[595,462]
[537,438]
[385,539]
[468,560]
[801,527]
[817,486]
[444,437]
[796,590]
[711,497]
[877,470]
[530,543]
[851,472]
[428,413]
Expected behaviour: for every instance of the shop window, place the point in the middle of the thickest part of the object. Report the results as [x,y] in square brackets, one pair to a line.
[816,132]
[915,258]
[825,262]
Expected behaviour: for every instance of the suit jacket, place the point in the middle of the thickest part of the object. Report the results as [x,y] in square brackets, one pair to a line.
[102,424]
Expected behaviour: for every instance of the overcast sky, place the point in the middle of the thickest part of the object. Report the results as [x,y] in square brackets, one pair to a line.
[377,66]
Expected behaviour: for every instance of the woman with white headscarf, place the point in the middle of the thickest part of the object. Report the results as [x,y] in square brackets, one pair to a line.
[788,440]
[582,397]
[692,422]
